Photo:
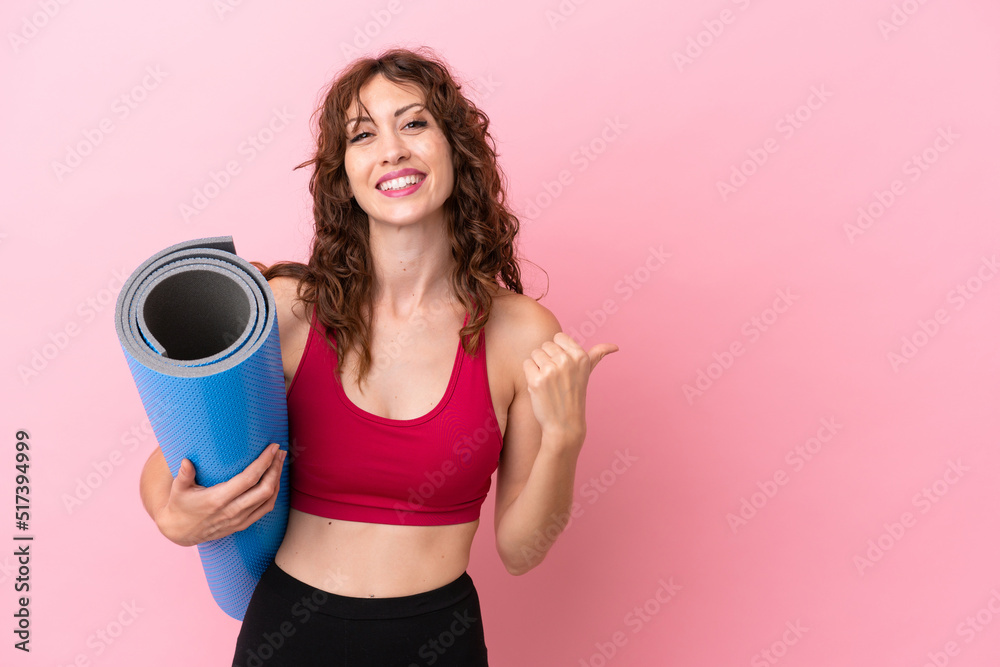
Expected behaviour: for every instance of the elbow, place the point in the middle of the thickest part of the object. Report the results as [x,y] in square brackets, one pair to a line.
[519,557]
[518,566]
[517,571]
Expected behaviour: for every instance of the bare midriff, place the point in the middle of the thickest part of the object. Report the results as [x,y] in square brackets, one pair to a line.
[365,560]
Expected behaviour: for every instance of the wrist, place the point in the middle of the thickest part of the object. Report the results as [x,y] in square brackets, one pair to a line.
[563,439]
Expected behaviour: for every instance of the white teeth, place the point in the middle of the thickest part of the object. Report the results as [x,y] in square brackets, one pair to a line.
[399,183]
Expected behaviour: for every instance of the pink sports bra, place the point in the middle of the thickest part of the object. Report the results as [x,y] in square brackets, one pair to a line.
[350,464]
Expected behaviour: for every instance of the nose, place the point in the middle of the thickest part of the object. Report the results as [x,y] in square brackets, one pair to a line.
[393,148]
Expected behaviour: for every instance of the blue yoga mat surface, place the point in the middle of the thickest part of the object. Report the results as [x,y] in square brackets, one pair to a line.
[198,327]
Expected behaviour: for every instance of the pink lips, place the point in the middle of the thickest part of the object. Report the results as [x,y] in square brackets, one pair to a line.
[410,189]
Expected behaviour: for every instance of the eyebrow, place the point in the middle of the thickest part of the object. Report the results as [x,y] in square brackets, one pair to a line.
[357,120]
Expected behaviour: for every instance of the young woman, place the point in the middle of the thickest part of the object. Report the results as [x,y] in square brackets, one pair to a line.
[412,375]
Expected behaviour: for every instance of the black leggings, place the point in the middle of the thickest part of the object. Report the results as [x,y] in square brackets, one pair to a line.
[291,624]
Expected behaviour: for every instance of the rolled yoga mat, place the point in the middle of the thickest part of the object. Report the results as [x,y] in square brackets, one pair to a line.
[198,327]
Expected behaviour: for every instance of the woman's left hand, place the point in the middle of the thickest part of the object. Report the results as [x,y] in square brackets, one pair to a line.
[557,375]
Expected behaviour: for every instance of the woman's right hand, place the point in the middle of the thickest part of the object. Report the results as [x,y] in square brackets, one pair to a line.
[193,514]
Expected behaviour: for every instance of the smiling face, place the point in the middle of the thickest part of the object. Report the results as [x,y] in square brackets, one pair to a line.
[398,161]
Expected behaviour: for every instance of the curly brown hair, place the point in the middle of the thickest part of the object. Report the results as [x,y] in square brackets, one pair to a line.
[339,278]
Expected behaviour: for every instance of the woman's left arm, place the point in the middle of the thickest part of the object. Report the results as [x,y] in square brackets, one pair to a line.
[546,428]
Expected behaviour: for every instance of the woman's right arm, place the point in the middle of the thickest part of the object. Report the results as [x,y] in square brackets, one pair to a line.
[188,514]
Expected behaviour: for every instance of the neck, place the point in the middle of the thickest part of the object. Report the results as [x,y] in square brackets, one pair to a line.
[413,267]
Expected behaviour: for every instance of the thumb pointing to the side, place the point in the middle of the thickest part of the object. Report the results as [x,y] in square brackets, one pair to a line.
[600,351]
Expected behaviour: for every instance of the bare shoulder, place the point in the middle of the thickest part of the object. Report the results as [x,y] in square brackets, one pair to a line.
[520,324]
[290,309]
[293,322]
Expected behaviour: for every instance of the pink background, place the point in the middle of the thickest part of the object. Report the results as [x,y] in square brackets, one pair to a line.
[879,549]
